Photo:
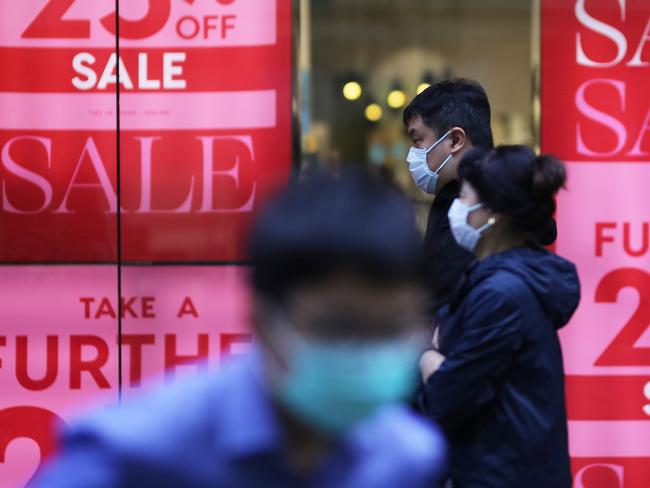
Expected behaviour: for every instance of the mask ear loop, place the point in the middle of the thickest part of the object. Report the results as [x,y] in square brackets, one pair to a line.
[444,163]
[438,141]
[491,221]
[427,151]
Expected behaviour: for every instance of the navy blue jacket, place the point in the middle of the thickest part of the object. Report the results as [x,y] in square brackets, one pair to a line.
[499,395]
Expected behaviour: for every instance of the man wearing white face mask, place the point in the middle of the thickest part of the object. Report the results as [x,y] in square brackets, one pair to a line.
[425,178]
[444,122]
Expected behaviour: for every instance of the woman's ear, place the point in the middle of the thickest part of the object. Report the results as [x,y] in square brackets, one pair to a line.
[498,218]
[458,139]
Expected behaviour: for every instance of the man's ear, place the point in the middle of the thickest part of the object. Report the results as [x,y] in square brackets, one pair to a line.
[458,139]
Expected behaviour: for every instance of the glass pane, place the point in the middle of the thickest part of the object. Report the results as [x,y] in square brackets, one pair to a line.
[595,116]
[369,58]
[205,138]
[58,225]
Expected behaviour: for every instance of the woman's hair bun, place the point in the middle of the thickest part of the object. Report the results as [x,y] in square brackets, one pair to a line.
[549,176]
[513,181]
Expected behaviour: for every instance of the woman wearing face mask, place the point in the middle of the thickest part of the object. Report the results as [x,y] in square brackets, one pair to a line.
[496,383]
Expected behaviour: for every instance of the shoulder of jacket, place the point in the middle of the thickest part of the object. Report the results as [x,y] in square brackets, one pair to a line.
[179,412]
[503,284]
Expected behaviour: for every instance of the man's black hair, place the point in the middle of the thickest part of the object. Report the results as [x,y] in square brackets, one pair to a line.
[454,103]
[327,225]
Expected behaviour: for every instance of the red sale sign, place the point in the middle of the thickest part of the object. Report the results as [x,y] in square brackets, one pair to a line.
[204,138]
[596,116]
[205,119]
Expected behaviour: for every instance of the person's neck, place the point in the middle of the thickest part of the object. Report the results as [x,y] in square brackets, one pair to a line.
[497,240]
[306,447]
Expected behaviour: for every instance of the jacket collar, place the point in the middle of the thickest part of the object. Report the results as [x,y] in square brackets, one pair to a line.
[447,194]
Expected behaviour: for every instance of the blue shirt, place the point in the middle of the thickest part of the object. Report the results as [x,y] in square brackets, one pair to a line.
[221,430]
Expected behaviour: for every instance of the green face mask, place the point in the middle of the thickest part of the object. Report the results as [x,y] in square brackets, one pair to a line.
[333,385]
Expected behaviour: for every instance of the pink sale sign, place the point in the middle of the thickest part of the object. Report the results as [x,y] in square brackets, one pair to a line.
[205,129]
[596,116]
[59,342]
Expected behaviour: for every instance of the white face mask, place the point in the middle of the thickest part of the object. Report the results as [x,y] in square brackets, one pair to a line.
[424,178]
[466,236]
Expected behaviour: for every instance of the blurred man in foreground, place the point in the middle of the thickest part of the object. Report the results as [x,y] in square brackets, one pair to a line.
[317,402]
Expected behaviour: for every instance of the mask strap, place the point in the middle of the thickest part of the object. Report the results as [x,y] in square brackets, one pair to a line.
[438,141]
[491,221]
[443,164]
[475,207]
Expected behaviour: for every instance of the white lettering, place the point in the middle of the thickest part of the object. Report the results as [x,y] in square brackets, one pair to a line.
[82,63]
[603,29]
[26,175]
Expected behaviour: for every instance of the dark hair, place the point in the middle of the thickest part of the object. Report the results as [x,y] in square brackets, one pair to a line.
[454,103]
[513,181]
[326,225]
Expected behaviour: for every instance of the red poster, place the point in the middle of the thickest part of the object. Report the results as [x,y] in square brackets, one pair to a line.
[205,136]
[205,118]
[596,116]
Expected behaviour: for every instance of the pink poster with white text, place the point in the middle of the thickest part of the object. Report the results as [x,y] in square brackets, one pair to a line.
[204,91]
[205,126]
[596,116]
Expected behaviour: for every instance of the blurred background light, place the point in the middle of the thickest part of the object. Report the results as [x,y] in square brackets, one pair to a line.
[374,112]
[396,98]
[352,90]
